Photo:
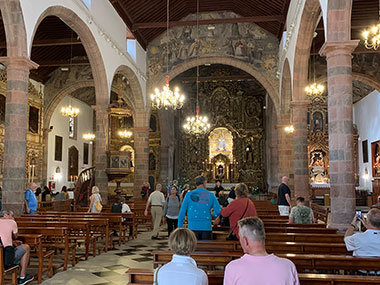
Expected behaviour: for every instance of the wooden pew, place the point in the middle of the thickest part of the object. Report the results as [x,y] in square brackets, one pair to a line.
[145,276]
[277,247]
[12,270]
[320,213]
[78,231]
[54,238]
[303,262]
[275,224]
[36,250]
[300,237]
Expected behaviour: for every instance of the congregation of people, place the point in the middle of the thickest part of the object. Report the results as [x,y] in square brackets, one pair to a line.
[190,217]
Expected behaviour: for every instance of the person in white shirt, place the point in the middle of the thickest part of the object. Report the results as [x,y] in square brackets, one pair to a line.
[157,200]
[182,269]
[366,244]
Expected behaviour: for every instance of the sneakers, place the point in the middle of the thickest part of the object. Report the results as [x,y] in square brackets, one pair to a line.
[28,278]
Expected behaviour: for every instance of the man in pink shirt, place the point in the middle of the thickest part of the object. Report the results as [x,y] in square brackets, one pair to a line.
[256,266]
[8,231]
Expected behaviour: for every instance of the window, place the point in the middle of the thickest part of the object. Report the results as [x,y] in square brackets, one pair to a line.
[73,128]
[33,119]
[365,151]
[85,153]
[58,148]
[131,48]
[87,3]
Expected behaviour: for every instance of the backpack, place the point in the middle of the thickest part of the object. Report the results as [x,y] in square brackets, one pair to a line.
[8,256]
[116,208]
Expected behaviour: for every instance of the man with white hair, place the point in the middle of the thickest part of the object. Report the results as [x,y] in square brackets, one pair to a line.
[284,197]
[256,266]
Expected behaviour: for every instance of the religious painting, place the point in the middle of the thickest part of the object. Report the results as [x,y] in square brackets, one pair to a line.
[119,122]
[123,162]
[34,114]
[375,146]
[73,166]
[365,151]
[58,148]
[317,121]
[152,162]
[2,109]
[73,127]
[85,153]
[114,162]
[318,167]
[153,123]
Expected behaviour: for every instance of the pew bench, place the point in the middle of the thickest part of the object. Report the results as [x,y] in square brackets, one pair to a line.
[145,276]
[12,270]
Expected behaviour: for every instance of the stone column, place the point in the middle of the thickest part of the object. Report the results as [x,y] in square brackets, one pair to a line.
[284,152]
[16,123]
[141,146]
[101,147]
[341,141]
[301,177]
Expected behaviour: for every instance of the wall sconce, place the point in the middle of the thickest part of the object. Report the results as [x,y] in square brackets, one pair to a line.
[366,175]
[57,175]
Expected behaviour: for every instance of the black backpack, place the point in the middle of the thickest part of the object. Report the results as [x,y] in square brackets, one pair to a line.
[116,208]
[8,256]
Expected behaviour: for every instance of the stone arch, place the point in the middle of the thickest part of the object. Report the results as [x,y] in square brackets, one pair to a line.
[309,20]
[269,85]
[89,43]
[141,112]
[364,78]
[286,89]
[49,110]
[14,26]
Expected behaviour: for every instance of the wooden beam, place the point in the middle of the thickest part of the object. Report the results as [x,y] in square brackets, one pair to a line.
[257,19]
[63,63]
[52,42]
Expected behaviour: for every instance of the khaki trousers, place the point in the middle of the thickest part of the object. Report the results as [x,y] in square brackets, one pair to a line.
[157,217]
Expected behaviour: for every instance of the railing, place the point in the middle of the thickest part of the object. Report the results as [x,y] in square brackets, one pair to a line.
[82,190]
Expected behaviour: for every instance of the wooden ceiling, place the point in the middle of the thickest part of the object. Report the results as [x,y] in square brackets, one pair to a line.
[147,18]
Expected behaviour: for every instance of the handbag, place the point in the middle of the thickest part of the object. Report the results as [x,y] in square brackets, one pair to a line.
[231,235]
[8,256]
[98,206]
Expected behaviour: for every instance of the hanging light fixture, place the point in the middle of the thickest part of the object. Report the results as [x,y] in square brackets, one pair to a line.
[314,89]
[289,129]
[197,125]
[166,98]
[70,111]
[89,136]
[125,134]
[372,35]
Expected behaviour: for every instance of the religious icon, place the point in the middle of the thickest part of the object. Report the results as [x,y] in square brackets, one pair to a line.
[317,121]
[221,144]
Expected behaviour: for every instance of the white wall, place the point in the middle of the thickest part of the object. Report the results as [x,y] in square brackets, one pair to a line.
[367,120]
[105,25]
[61,128]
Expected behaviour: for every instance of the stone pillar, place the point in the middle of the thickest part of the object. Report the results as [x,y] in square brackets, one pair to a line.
[166,165]
[341,140]
[284,152]
[301,177]
[141,146]
[101,147]
[16,123]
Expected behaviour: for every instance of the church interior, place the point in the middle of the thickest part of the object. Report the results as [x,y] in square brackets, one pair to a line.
[126,95]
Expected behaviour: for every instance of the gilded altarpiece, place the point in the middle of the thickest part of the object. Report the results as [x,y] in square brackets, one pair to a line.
[34,143]
[240,114]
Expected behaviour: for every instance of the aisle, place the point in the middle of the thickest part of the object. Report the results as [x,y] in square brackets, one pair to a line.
[109,268]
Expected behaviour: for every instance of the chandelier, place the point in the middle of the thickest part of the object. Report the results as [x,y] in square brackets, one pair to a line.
[125,134]
[314,89]
[69,111]
[166,98]
[289,129]
[197,125]
[89,136]
[372,36]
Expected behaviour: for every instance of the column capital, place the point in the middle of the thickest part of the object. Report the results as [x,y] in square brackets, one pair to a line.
[299,104]
[341,47]
[21,62]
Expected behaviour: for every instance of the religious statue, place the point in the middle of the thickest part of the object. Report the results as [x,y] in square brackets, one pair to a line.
[220,171]
[317,121]
[221,144]
[317,167]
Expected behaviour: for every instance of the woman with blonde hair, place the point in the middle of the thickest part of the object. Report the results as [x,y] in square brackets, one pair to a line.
[95,201]
[182,269]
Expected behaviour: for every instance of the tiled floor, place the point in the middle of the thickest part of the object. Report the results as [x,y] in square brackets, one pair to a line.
[109,268]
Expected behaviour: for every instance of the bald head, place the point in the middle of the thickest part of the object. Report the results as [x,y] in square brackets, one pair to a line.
[285,179]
